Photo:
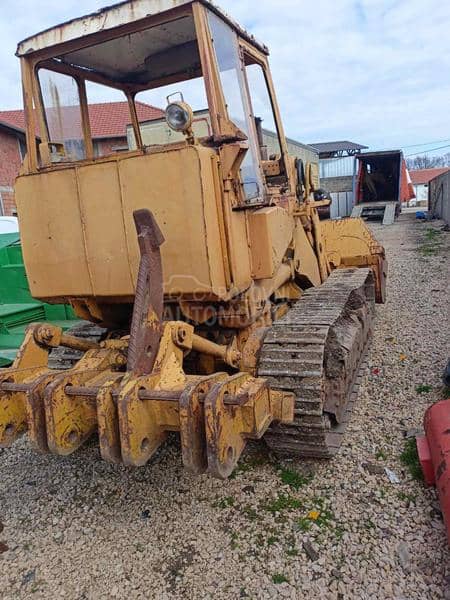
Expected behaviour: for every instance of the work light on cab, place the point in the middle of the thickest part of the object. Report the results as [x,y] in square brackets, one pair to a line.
[179,116]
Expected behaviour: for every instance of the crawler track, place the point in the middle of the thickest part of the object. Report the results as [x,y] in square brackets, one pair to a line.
[316,351]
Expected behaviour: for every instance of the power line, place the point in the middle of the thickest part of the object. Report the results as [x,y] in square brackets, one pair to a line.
[426,144]
[428,151]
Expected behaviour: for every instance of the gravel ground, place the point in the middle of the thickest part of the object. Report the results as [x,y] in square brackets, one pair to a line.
[80,528]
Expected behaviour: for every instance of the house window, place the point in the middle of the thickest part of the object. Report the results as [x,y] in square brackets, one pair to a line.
[22,148]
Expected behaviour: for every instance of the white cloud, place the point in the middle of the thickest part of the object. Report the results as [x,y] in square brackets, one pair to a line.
[373,71]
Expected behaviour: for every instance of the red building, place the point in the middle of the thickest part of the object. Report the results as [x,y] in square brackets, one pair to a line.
[12,151]
[108,121]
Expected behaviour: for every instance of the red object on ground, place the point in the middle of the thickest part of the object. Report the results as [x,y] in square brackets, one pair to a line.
[434,454]
[426,463]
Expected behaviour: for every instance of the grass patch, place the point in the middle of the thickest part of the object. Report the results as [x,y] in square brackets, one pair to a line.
[432,235]
[272,540]
[429,250]
[325,518]
[446,393]
[432,242]
[290,547]
[234,543]
[381,454]
[339,532]
[319,514]
[283,502]
[250,513]
[226,502]
[278,578]
[293,479]
[406,497]
[250,463]
[241,468]
[410,459]
[304,524]
[423,389]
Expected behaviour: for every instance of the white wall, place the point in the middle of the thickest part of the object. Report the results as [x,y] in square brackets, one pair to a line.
[421,199]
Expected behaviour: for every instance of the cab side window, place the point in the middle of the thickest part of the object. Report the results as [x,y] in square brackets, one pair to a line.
[268,136]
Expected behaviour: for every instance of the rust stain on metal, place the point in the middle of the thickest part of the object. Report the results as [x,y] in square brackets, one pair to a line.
[192,423]
[108,420]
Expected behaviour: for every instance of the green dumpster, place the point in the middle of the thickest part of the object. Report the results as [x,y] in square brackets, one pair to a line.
[17,308]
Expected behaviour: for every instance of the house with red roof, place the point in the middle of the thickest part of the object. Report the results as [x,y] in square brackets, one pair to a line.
[421,178]
[109,122]
[12,152]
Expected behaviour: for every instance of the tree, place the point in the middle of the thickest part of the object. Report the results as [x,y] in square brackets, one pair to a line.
[428,162]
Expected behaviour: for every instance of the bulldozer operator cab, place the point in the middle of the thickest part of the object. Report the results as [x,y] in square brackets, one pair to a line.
[196,164]
[157,65]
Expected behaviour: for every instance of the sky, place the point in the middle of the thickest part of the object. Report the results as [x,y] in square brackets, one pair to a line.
[375,72]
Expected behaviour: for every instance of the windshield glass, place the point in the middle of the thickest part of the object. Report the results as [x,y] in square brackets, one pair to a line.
[109,116]
[151,105]
[61,99]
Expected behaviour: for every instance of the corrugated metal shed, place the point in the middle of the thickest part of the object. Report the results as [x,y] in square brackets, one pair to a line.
[337,167]
[337,147]
[439,197]
[341,204]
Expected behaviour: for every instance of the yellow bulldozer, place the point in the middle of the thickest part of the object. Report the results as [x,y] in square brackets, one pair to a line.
[227,310]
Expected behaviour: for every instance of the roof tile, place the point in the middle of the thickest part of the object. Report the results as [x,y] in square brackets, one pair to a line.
[422,176]
[108,119]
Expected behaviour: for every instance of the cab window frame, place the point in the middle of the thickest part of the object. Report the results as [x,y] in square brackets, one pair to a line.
[250,57]
[48,59]
[42,117]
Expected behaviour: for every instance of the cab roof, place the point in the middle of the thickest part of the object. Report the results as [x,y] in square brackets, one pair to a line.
[114,16]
